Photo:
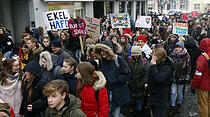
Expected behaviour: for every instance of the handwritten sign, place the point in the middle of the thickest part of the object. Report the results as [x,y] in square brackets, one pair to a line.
[180,28]
[185,16]
[56,19]
[194,14]
[77,29]
[93,26]
[144,22]
[121,20]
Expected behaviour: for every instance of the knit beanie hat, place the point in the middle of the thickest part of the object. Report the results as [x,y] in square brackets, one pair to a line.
[56,43]
[142,37]
[111,35]
[136,51]
[89,40]
[181,44]
[123,36]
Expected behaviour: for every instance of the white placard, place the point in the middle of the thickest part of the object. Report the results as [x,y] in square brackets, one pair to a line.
[144,22]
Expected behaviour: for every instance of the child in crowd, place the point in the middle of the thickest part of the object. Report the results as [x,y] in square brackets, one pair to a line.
[69,72]
[61,104]
[91,90]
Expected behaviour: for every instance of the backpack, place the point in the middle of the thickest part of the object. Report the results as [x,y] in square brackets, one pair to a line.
[207,58]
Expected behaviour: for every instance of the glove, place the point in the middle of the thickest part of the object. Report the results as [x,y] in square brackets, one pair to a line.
[193,91]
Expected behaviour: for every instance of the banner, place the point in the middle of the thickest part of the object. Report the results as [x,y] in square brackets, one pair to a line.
[56,19]
[180,28]
[93,26]
[144,22]
[121,20]
[194,14]
[185,16]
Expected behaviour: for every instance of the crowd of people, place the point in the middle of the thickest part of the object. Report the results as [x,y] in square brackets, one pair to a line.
[135,68]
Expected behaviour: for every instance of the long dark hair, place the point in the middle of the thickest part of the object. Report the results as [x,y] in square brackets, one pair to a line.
[6,68]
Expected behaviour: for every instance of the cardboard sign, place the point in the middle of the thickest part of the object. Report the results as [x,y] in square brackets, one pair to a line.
[56,19]
[194,14]
[185,16]
[93,26]
[180,28]
[144,22]
[121,20]
[77,29]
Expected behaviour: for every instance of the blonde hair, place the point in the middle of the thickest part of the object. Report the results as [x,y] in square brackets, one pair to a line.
[161,55]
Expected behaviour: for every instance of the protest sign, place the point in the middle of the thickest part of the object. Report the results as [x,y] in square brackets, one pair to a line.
[93,26]
[56,19]
[194,14]
[180,28]
[185,16]
[144,22]
[77,29]
[121,20]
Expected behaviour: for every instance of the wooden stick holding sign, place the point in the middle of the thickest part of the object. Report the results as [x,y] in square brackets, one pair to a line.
[81,45]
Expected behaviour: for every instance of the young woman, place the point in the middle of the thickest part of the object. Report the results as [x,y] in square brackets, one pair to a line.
[181,73]
[69,72]
[10,84]
[124,42]
[64,37]
[158,83]
[46,44]
[33,102]
[24,56]
[91,90]
[49,70]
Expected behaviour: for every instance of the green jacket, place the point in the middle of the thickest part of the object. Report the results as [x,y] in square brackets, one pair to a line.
[73,110]
[139,77]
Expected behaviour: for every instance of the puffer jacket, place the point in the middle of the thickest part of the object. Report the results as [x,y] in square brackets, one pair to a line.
[91,106]
[201,78]
[70,109]
[182,66]
[52,71]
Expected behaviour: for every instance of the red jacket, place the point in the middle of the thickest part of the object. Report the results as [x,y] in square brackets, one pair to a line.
[201,78]
[89,104]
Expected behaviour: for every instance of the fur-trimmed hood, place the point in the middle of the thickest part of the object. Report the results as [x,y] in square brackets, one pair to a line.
[99,47]
[101,82]
[88,49]
[51,59]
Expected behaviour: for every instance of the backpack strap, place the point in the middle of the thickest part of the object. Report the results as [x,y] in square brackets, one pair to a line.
[116,61]
[206,56]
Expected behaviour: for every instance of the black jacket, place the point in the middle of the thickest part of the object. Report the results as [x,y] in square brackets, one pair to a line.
[159,83]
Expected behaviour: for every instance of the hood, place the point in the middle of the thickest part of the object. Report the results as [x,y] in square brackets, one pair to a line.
[205,45]
[106,48]
[108,43]
[181,44]
[51,59]
[101,82]
[75,102]
[172,35]
[88,49]
[34,68]
[39,49]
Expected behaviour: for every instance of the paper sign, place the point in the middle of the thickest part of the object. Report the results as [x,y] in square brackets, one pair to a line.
[56,19]
[93,26]
[144,22]
[77,29]
[194,14]
[180,28]
[121,20]
[185,16]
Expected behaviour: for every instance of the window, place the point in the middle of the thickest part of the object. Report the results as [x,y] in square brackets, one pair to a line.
[197,6]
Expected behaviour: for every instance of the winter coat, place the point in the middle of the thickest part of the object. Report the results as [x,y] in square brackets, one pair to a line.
[11,92]
[91,106]
[70,109]
[52,37]
[201,78]
[48,48]
[169,46]
[38,101]
[182,66]
[158,83]
[125,49]
[62,54]
[72,82]
[116,77]
[52,71]
[33,54]
[6,44]
[139,78]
